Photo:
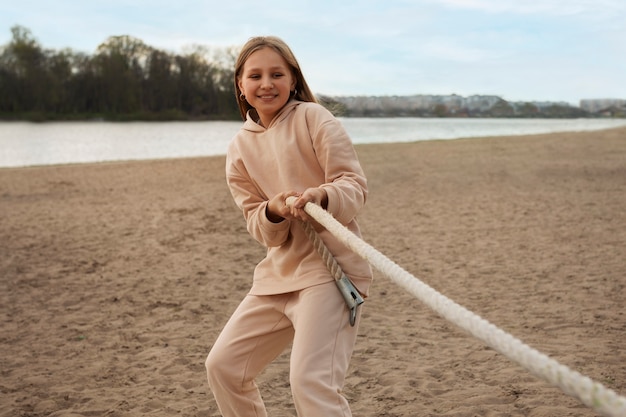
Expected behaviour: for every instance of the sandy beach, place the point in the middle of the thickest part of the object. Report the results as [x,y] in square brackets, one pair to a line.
[116,278]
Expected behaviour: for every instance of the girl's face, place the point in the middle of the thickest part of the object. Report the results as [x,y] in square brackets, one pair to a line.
[267,83]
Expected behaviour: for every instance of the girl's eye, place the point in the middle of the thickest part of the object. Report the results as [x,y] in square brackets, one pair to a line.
[278,74]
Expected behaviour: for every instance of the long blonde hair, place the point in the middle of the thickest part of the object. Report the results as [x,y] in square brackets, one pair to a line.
[303,92]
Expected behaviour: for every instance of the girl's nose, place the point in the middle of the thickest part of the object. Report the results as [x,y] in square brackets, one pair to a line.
[267,83]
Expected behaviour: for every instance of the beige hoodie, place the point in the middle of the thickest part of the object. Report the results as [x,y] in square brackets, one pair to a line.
[304,146]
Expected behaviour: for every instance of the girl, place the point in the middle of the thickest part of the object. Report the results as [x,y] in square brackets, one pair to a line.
[289,145]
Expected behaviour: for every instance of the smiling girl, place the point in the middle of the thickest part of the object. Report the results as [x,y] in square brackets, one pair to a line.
[289,145]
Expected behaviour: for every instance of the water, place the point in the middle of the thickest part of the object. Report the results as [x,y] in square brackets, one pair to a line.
[25,144]
[29,144]
[387,130]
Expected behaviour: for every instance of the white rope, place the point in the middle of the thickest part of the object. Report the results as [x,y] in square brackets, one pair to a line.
[591,393]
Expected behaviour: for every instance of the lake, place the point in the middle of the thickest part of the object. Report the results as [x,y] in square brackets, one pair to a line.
[29,144]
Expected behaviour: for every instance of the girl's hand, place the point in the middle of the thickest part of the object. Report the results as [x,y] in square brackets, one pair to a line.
[277,209]
[313,195]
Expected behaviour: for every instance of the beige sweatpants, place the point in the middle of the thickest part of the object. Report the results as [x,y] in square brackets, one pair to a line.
[262,327]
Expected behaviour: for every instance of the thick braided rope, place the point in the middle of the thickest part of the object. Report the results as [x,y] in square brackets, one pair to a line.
[593,394]
[320,247]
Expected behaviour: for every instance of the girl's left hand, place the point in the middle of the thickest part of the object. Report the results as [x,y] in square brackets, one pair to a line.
[311,195]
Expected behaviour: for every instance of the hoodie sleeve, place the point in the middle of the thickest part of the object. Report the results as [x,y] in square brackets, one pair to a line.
[345,181]
[253,203]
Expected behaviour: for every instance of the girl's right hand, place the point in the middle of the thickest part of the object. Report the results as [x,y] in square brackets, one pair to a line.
[277,209]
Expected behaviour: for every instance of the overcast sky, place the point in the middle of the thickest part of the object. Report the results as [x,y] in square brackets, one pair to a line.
[520,50]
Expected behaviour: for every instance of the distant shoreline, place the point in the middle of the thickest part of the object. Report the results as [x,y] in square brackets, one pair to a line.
[420,106]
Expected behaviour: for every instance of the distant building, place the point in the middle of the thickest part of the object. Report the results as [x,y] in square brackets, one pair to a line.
[416,103]
[597,105]
[427,105]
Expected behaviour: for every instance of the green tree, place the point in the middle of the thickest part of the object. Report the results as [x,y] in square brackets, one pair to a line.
[160,84]
[118,65]
[440,110]
[528,110]
[59,70]
[83,86]
[24,77]
[224,74]
[502,109]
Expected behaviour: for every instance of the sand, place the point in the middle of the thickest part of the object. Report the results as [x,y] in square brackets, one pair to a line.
[117,278]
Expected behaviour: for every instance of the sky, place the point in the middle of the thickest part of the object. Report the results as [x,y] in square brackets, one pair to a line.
[520,50]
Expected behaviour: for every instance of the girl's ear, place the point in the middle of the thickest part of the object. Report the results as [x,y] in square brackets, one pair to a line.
[239,83]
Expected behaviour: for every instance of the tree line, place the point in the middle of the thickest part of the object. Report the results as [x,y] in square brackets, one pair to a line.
[125,79]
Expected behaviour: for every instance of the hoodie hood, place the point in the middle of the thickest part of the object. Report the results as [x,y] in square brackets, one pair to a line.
[251,125]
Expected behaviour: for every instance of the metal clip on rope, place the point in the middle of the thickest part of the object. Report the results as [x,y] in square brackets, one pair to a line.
[351,295]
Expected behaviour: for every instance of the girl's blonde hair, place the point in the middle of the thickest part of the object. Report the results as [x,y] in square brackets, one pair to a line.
[303,92]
